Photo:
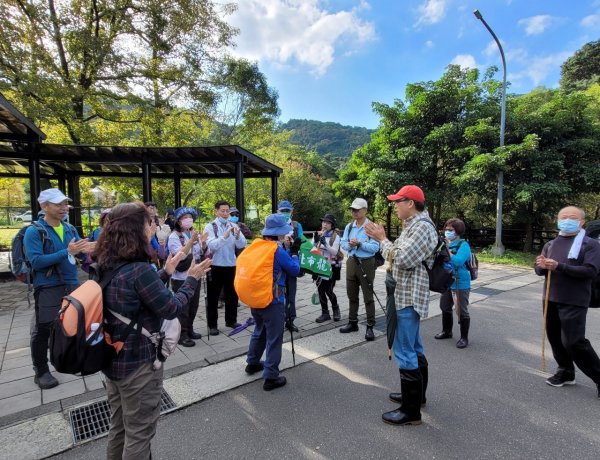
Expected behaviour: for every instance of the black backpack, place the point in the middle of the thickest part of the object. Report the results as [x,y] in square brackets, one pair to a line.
[441,273]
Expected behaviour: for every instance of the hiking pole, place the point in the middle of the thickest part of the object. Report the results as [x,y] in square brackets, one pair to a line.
[364,275]
[543,367]
[291,329]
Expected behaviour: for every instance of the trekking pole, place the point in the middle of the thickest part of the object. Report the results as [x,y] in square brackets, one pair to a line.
[291,329]
[543,367]
[364,275]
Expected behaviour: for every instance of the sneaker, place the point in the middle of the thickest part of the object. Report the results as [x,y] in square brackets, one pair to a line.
[271,384]
[213,331]
[254,368]
[559,379]
[45,381]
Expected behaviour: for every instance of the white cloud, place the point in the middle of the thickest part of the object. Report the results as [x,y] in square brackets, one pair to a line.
[429,44]
[464,61]
[289,32]
[431,12]
[591,21]
[539,67]
[536,25]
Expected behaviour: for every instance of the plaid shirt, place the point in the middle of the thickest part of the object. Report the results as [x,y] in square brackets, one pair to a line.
[137,286]
[415,244]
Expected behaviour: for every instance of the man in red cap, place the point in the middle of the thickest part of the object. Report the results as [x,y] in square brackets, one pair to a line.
[410,283]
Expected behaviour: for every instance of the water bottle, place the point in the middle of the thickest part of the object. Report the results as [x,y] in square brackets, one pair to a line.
[98,339]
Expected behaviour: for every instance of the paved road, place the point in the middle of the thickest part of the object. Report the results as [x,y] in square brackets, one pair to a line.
[488,401]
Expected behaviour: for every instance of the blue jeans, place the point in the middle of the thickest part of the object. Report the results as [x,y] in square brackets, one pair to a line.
[407,343]
[268,334]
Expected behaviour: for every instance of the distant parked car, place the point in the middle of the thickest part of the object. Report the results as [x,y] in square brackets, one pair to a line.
[25,217]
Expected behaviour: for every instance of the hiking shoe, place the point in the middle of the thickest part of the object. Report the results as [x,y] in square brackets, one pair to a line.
[213,331]
[290,326]
[462,343]
[271,384]
[233,325]
[559,379]
[352,326]
[443,335]
[324,317]
[194,335]
[186,342]
[369,336]
[336,313]
[254,368]
[45,381]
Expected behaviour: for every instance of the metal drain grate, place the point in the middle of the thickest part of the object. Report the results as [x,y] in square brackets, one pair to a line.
[93,420]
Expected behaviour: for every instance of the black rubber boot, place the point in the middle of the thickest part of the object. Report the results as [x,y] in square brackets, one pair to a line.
[336,313]
[424,368]
[409,413]
[324,316]
[352,326]
[464,333]
[446,326]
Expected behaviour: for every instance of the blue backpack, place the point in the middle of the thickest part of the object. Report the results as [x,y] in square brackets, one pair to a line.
[19,264]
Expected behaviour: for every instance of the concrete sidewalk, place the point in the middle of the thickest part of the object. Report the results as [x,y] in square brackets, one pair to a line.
[20,399]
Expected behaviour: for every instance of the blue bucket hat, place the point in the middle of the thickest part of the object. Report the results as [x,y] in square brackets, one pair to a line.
[179,212]
[276,225]
[284,205]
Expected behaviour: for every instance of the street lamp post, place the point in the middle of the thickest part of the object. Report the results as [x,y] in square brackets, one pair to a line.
[498,248]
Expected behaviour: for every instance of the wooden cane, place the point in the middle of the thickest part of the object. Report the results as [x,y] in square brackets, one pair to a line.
[543,367]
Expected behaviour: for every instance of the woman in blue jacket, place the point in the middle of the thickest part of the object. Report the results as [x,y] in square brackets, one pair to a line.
[458,295]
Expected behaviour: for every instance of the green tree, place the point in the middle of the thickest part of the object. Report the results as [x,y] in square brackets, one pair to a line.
[582,69]
[131,62]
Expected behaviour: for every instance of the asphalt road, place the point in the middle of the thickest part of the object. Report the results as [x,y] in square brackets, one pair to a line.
[488,401]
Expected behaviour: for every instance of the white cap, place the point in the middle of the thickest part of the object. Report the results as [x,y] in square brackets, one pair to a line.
[359,203]
[52,195]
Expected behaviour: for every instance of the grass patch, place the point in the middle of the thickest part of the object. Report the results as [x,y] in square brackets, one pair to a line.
[6,236]
[510,257]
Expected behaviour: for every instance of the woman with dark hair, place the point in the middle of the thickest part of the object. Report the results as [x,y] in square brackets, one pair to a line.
[137,292]
[185,238]
[458,294]
[328,242]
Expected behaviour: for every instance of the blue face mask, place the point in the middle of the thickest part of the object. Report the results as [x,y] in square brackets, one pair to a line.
[287,215]
[450,234]
[223,220]
[234,219]
[568,225]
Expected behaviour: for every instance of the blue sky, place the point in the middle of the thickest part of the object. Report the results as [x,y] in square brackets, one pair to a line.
[330,59]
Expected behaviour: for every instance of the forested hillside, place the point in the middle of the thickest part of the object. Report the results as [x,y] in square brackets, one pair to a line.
[328,137]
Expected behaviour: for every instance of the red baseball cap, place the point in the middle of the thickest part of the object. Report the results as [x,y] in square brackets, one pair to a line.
[409,192]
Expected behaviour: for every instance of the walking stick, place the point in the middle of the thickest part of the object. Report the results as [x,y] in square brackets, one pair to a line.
[543,367]
[291,329]
[364,275]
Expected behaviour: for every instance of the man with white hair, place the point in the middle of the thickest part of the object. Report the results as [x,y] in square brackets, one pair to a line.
[51,246]
[570,263]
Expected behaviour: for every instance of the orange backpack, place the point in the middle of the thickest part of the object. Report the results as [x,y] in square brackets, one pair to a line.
[254,274]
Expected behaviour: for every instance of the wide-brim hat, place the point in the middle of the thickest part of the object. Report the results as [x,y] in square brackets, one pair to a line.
[329,218]
[276,225]
[180,212]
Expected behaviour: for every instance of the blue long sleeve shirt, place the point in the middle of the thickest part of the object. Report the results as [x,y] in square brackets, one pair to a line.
[289,265]
[45,265]
[368,246]
[459,259]
[221,248]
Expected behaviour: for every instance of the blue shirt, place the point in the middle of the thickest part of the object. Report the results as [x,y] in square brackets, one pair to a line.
[462,275]
[289,265]
[223,249]
[42,263]
[368,246]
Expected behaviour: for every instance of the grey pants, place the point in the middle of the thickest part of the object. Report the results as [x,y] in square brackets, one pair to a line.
[462,295]
[135,406]
[355,281]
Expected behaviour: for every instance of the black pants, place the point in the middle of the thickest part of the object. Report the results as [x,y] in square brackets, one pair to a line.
[325,288]
[566,333]
[221,278]
[47,305]
[188,314]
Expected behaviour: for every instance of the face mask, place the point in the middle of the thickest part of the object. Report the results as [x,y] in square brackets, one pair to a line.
[450,234]
[568,225]
[187,223]
[234,219]
[287,215]
[223,220]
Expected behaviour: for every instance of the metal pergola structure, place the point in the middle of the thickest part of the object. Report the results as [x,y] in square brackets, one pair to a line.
[22,154]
